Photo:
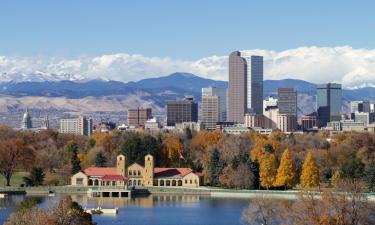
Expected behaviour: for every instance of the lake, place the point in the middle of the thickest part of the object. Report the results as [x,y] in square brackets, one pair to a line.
[153,209]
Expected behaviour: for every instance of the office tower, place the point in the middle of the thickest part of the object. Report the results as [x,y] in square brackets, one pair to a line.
[138,117]
[178,111]
[210,111]
[270,114]
[245,93]
[365,117]
[287,101]
[80,126]
[253,120]
[286,122]
[309,121]
[328,103]
[222,93]
[44,125]
[26,121]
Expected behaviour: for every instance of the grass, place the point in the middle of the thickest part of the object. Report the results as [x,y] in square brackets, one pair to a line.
[16,180]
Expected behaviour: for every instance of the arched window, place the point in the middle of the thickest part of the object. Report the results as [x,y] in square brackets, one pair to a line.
[173,182]
[180,183]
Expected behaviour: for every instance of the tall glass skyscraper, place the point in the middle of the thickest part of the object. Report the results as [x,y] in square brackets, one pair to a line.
[328,103]
[245,92]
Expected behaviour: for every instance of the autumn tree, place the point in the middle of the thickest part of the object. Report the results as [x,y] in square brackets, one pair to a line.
[267,170]
[310,172]
[174,149]
[12,155]
[285,172]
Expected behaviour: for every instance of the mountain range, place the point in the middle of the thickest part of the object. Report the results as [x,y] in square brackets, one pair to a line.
[73,93]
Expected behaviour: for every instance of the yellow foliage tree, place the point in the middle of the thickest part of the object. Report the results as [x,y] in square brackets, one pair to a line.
[285,172]
[267,170]
[104,140]
[174,148]
[310,172]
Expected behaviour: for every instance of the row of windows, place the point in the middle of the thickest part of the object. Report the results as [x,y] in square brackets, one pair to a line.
[135,183]
[134,173]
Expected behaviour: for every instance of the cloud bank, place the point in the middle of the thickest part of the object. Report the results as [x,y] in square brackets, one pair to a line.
[344,64]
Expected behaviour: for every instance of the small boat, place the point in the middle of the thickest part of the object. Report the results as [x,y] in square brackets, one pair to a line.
[2,195]
[51,194]
[100,210]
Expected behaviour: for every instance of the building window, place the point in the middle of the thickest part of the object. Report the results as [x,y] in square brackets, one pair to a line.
[130,183]
[191,181]
[79,181]
[139,183]
[130,172]
[185,181]
[139,173]
[113,183]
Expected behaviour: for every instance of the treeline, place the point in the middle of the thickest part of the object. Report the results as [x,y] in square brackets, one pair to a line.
[249,160]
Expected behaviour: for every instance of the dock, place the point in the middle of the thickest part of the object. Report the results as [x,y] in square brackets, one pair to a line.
[109,193]
[100,210]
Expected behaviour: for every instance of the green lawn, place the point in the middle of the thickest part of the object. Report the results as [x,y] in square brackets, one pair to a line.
[16,180]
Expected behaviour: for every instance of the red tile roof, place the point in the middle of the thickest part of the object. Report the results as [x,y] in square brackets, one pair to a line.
[171,172]
[113,177]
[100,171]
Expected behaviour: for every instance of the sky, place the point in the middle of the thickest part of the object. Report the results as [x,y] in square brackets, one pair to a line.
[319,41]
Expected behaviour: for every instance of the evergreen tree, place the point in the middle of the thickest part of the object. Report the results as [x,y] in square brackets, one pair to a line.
[90,143]
[268,148]
[35,178]
[352,168]
[310,172]
[254,168]
[215,167]
[100,160]
[72,148]
[267,170]
[369,177]
[285,172]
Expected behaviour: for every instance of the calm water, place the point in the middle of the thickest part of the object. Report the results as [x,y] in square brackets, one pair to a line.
[154,209]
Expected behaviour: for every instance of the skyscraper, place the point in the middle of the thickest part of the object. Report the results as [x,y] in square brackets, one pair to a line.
[210,111]
[80,125]
[287,101]
[138,117]
[222,94]
[179,111]
[245,93]
[328,103]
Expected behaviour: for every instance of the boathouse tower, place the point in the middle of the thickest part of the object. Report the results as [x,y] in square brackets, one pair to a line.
[148,177]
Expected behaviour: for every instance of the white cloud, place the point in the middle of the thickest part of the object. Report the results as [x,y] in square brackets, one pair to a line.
[351,67]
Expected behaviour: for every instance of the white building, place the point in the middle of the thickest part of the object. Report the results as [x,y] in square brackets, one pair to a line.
[269,102]
[152,124]
[270,117]
[80,126]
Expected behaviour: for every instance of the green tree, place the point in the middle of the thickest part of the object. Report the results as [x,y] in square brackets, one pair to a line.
[72,148]
[100,159]
[310,172]
[369,177]
[135,148]
[90,143]
[285,172]
[352,168]
[215,167]
[35,178]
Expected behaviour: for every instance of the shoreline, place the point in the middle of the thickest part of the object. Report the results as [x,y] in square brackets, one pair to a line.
[204,191]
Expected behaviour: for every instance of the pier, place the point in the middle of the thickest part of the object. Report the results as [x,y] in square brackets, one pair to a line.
[109,193]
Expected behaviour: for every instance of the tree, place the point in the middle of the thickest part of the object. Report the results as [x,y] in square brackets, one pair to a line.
[174,148]
[215,167]
[262,210]
[369,177]
[285,172]
[135,147]
[11,156]
[100,160]
[241,177]
[267,170]
[310,172]
[90,143]
[72,148]
[35,178]
[352,168]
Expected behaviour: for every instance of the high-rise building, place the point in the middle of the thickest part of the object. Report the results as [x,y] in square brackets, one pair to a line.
[328,103]
[287,101]
[138,117]
[178,111]
[245,92]
[270,114]
[44,125]
[210,111]
[286,123]
[253,120]
[309,121]
[26,121]
[80,126]
[222,93]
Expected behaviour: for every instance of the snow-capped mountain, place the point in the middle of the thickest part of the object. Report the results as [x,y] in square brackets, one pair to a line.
[39,76]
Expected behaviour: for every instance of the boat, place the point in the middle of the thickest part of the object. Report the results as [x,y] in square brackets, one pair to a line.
[2,195]
[51,194]
[100,210]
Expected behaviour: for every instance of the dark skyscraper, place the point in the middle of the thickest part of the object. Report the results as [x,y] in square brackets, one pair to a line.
[138,117]
[328,103]
[179,111]
[287,101]
[245,92]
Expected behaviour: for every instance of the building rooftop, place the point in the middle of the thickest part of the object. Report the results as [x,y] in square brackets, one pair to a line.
[100,171]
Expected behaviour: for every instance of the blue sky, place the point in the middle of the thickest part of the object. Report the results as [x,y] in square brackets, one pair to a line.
[183,29]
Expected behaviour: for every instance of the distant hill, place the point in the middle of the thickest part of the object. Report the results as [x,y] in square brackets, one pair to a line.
[155,91]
